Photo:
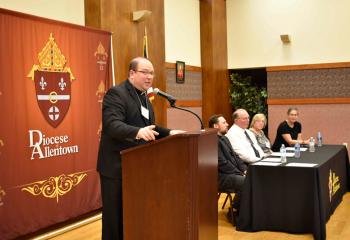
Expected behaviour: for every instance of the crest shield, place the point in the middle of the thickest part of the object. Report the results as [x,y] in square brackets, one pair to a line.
[53,93]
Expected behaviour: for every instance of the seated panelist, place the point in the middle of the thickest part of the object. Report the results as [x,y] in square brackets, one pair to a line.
[231,169]
[257,125]
[289,131]
[242,140]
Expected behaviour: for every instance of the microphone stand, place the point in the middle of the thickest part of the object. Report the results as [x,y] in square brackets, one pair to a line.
[172,104]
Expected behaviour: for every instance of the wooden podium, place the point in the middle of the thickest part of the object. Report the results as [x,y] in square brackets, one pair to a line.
[170,188]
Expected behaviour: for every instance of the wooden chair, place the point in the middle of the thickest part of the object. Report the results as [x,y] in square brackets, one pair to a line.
[228,196]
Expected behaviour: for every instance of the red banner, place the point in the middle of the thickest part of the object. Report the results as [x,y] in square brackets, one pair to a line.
[53,78]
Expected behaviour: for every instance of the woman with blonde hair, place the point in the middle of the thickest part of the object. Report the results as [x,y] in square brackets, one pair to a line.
[257,125]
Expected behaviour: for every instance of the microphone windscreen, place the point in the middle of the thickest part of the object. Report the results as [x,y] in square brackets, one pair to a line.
[150,90]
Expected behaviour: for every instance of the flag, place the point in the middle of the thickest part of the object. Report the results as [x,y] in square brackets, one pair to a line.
[145,44]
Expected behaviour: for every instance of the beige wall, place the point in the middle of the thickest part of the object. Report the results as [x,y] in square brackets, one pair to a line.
[71,11]
[319,32]
[182,31]
[178,119]
[318,29]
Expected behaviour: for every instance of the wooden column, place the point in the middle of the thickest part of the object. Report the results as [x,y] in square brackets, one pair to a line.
[116,16]
[214,59]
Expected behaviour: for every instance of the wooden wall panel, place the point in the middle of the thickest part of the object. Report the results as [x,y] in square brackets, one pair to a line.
[214,59]
[92,13]
[308,66]
[300,101]
[331,85]
[116,16]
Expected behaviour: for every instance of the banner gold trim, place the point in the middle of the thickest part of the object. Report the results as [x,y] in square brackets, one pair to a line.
[54,187]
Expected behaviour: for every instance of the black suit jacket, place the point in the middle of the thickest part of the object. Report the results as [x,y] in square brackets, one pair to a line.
[229,161]
[121,120]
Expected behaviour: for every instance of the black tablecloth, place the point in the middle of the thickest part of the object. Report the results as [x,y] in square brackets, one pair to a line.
[295,199]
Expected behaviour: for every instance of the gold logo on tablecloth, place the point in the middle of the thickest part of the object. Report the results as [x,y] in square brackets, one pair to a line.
[2,194]
[55,187]
[333,184]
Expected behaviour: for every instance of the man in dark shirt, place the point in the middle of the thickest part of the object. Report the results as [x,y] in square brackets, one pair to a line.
[231,168]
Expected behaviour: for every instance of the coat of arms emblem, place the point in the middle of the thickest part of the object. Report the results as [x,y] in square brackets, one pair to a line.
[52,83]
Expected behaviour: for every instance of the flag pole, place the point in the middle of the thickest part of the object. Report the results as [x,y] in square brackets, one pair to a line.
[145,44]
[112,60]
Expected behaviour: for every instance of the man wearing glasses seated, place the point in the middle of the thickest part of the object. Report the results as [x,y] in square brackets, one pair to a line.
[242,140]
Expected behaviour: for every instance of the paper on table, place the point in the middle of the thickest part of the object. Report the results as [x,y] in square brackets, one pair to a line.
[269,159]
[301,164]
[302,149]
[261,163]
[277,154]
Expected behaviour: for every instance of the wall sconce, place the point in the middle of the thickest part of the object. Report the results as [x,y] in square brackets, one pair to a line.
[285,38]
[139,16]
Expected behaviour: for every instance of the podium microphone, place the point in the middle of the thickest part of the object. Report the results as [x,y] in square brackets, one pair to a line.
[172,101]
[170,98]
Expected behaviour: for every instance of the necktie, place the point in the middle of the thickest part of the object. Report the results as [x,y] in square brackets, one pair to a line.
[252,144]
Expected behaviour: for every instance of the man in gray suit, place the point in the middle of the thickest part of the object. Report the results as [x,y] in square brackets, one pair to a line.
[127,120]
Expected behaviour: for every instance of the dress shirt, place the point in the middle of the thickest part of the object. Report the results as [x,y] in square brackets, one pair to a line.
[241,144]
[252,144]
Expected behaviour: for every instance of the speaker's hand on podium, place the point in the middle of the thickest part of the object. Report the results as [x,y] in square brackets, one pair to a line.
[147,133]
[173,132]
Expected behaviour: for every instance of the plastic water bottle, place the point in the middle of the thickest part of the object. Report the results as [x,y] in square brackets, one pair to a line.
[283,153]
[319,139]
[297,150]
[312,145]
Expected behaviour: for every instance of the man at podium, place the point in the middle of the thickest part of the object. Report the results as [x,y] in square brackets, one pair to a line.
[127,120]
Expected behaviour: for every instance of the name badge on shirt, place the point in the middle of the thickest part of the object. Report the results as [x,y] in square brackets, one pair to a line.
[145,112]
